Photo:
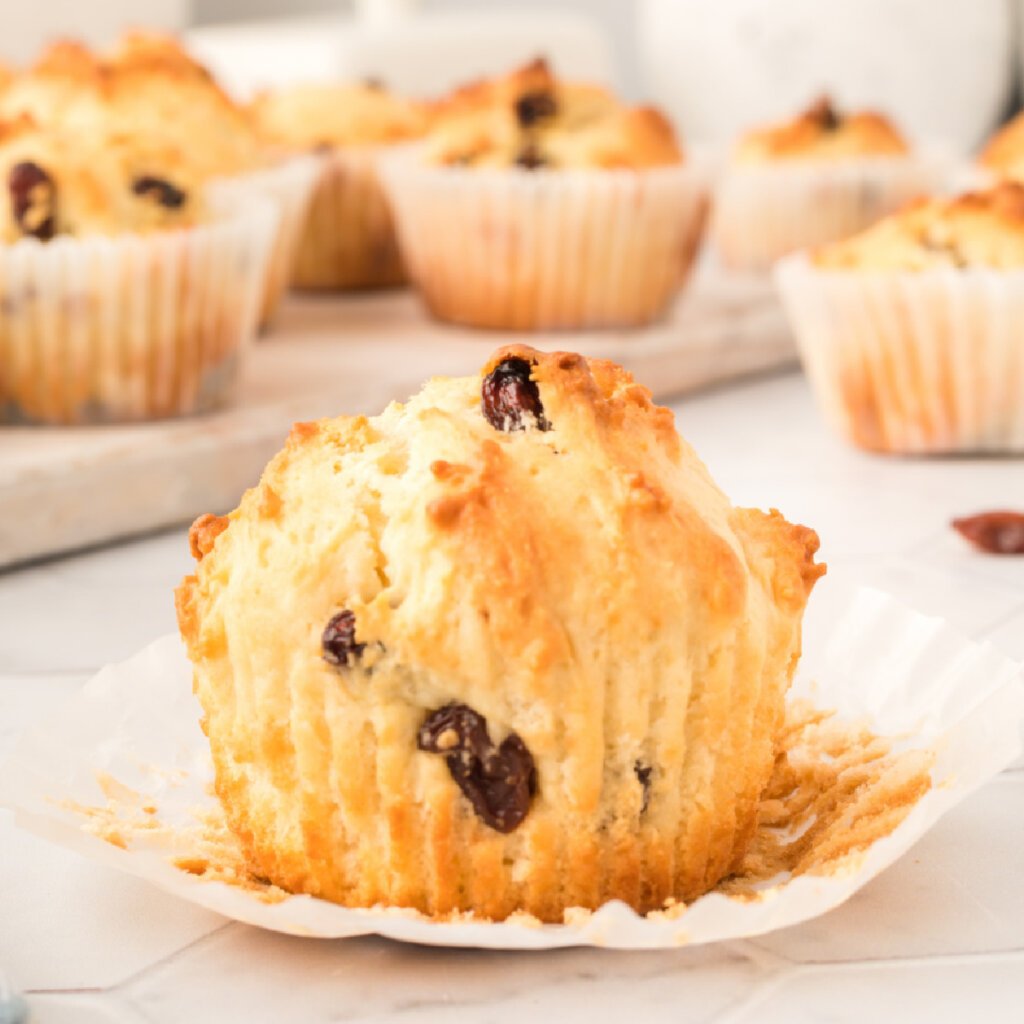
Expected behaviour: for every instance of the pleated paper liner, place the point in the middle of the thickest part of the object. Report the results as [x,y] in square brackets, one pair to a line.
[922,717]
[914,362]
[764,212]
[547,249]
[130,327]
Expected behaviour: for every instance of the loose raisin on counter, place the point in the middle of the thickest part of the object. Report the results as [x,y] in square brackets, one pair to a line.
[33,199]
[508,398]
[999,533]
[339,640]
[499,781]
[160,190]
[532,107]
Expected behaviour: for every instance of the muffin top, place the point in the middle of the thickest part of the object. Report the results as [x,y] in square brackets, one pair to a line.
[530,119]
[149,89]
[63,183]
[342,114]
[976,229]
[822,133]
[1004,152]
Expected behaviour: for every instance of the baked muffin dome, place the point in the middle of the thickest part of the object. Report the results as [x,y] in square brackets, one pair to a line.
[1003,154]
[504,647]
[976,229]
[60,183]
[530,119]
[326,115]
[822,133]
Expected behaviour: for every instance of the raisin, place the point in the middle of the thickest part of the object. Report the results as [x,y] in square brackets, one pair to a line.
[33,199]
[499,781]
[531,107]
[160,190]
[530,158]
[508,398]
[643,774]
[339,639]
[825,114]
[999,533]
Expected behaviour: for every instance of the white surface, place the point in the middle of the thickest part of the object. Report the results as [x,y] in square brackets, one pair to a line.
[81,486]
[939,937]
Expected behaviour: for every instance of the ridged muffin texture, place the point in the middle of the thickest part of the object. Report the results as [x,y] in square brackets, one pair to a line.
[506,647]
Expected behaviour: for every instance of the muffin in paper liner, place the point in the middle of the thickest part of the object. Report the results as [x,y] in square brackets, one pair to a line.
[763,212]
[547,249]
[130,327]
[347,240]
[289,184]
[926,361]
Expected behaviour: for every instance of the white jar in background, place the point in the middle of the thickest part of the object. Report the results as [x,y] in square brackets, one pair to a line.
[942,69]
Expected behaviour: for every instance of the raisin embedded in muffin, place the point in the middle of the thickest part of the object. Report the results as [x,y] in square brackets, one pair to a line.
[512,650]
[822,132]
[532,120]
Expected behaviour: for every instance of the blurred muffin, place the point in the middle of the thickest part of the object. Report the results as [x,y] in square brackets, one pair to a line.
[348,240]
[1003,154]
[536,203]
[910,331]
[503,648]
[150,90]
[819,177]
[122,295]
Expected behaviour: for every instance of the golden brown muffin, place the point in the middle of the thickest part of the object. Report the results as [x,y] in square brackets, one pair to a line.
[822,133]
[61,183]
[348,239]
[976,229]
[504,647]
[68,81]
[343,114]
[530,119]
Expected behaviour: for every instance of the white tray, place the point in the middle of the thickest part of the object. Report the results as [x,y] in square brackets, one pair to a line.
[71,487]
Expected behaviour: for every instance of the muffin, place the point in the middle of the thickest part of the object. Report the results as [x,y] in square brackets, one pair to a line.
[149,89]
[503,648]
[1003,154]
[536,203]
[123,295]
[910,331]
[822,176]
[348,240]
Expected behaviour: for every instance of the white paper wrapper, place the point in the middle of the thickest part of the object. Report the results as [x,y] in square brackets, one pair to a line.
[906,675]
[130,327]
[762,213]
[289,185]
[562,249]
[348,237]
[915,361]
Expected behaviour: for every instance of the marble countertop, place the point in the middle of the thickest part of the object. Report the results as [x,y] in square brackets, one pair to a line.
[939,937]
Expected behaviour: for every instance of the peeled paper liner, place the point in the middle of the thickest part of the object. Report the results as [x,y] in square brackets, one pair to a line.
[923,717]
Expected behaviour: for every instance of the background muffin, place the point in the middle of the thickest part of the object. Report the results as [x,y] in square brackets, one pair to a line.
[819,177]
[537,203]
[122,294]
[910,331]
[513,650]
[348,240]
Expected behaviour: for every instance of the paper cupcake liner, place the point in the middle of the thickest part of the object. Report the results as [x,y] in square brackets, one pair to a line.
[547,249]
[133,327]
[762,213]
[916,362]
[121,774]
[348,239]
[289,185]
